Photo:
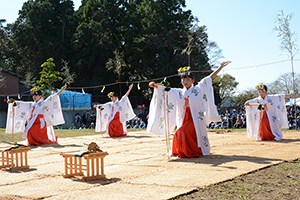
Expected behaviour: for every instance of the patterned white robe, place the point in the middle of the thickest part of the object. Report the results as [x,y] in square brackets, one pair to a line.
[50,108]
[276,114]
[201,102]
[104,117]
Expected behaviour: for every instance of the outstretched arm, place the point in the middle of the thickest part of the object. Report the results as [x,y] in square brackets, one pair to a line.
[97,105]
[10,101]
[62,89]
[214,73]
[290,96]
[130,88]
[155,85]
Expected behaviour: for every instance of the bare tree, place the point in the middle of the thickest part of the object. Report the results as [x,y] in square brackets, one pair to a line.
[212,50]
[116,65]
[29,79]
[67,75]
[288,41]
[284,84]
[214,53]
[189,48]
[287,38]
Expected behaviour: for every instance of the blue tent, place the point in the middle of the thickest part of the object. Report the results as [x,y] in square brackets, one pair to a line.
[75,100]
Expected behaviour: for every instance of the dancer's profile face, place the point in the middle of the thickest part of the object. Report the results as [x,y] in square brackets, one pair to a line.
[262,93]
[36,97]
[187,82]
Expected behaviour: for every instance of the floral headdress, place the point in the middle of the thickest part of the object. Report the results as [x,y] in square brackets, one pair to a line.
[36,91]
[33,89]
[111,94]
[261,87]
[184,70]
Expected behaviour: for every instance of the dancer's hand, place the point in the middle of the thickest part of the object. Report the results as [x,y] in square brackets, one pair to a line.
[225,63]
[222,65]
[153,84]
[62,89]
[290,95]
[131,86]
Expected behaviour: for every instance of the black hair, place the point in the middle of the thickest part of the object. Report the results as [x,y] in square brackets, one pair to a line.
[37,92]
[187,75]
[264,88]
[114,95]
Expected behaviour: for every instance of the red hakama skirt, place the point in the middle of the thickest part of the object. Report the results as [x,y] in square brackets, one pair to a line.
[37,135]
[185,140]
[115,127]
[265,128]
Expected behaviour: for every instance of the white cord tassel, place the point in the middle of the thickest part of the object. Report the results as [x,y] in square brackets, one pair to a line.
[138,86]
[19,96]
[165,78]
[83,91]
[103,89]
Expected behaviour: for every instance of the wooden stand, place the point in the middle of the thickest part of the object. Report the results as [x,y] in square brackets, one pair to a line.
[76,166]
[14,158]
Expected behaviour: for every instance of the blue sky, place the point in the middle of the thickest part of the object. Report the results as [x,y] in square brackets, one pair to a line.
[243,29]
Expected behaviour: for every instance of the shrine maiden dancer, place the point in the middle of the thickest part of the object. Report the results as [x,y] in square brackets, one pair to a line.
[36,119]
[112,116]
[266,115]
[190,109]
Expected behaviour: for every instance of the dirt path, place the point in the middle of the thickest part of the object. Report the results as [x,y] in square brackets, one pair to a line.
[137,167]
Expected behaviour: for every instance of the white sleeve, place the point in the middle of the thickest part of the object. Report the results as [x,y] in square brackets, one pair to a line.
[125,109]
[208,95]
[52,111]
[252,119]
[19,117]
[102,117]
[162,114]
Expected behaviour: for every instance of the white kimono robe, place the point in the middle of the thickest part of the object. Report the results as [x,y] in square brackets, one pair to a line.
[201,102]
[104,117]
[276,114]
[50,108]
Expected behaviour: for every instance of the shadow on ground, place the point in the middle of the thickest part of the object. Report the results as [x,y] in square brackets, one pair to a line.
[103,181]
[217,160]
[57,146]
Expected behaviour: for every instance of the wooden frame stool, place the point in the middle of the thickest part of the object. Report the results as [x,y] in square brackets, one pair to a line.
[14,158]
[87,167]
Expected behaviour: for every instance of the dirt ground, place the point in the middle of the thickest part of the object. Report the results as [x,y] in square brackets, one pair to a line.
[137,167]
[275,182]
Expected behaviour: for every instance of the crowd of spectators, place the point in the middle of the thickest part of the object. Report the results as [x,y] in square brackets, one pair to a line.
[231,117]
[86,121]
[139,122]
[292,115]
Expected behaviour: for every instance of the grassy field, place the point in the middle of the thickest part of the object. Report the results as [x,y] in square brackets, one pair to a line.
[275,182]
[61,133]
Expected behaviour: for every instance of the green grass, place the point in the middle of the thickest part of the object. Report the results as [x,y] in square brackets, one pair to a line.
[283,184]
[61,133]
